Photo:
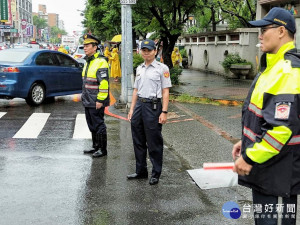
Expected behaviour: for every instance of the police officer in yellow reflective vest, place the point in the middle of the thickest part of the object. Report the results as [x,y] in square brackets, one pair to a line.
[95,94]
[269,153]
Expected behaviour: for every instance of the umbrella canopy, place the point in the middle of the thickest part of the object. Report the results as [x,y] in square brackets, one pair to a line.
[117,38]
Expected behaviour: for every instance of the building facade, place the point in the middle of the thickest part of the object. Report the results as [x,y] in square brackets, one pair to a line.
[207,50]
[52,20]
[18,26]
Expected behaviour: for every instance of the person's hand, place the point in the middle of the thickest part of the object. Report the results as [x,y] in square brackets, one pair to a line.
[130,115]
[241,167]
[236,150]
[162,118]
[98,105]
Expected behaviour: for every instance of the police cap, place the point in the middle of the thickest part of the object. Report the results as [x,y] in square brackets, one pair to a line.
[148,44]
[279,16]
[89,38]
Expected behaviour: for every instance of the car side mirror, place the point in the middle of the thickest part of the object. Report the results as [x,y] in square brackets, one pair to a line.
[80,65]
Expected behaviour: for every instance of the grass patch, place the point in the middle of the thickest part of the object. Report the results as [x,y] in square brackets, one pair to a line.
[191,99]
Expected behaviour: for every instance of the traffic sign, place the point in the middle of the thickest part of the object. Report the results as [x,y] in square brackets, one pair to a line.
[128,2]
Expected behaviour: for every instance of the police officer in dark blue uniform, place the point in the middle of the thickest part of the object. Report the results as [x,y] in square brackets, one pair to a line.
[95,94]
[148,112]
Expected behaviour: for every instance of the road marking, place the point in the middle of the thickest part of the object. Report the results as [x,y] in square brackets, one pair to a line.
[81,129]
[33,126]
[2,114]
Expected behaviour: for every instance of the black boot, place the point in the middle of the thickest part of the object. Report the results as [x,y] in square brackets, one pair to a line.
[102,141]
[95,145]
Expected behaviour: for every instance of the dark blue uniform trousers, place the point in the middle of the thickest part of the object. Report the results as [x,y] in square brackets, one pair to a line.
[95,120]
[146,133]
[269,202]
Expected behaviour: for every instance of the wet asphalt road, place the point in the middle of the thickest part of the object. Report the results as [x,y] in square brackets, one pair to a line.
[48,180]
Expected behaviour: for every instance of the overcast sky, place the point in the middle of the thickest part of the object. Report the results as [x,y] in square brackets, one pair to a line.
[67,10]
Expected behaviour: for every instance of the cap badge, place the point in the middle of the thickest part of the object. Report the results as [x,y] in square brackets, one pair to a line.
[146,42]
[280,21]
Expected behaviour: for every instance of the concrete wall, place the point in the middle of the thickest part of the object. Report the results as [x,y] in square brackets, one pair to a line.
[208,50]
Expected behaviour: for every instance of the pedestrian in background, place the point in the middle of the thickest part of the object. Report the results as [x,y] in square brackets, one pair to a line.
[107,54]
[95,94]
[148,112]
[67,48]
[269,151]
[115,69]
[62,49]
[176,57]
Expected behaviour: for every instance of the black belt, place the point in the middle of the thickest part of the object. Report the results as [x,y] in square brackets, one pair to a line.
[148,99]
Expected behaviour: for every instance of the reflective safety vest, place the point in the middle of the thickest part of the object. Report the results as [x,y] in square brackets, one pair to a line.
[271,125]
[95,82]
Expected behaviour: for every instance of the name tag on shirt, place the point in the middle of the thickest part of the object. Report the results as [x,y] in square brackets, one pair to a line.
[103,74]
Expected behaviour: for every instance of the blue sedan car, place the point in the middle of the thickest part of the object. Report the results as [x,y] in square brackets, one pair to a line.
[37,74]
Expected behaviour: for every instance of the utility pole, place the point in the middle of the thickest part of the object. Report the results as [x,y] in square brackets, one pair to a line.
[127,52]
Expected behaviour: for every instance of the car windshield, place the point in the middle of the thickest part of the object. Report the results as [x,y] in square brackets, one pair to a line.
[13,56]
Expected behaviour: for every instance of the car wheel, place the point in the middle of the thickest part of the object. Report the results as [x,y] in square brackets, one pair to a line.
[36,95]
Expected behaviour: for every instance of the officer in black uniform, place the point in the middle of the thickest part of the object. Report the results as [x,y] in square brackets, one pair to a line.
[148,112]
[95,94]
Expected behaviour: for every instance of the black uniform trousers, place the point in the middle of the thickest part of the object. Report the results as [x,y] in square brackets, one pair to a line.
[287,213]
[146,133]
[95,120]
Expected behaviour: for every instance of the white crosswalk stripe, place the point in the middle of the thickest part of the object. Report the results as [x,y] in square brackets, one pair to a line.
[81,129]
[2,114]
[36,123]
[33,126]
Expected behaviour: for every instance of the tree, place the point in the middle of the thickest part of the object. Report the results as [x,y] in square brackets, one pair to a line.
[103,18]
[238,12]
[54,34]
[40,23]
[167,20]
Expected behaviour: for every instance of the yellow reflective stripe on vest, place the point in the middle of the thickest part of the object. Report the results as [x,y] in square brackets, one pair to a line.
[103,90]
[271,144]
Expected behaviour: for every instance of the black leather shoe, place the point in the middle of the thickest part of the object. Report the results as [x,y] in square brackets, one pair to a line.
[99,153]
[137,176]
[89,151]
[153,181]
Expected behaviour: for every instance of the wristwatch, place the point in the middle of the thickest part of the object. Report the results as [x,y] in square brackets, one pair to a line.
[164,112]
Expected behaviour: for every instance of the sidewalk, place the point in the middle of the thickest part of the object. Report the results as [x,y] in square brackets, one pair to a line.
[209,85]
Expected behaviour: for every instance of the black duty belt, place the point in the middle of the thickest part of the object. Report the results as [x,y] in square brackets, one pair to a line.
[148,99]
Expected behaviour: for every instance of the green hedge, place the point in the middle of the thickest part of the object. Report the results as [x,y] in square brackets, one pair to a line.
[233,59]
[175,72]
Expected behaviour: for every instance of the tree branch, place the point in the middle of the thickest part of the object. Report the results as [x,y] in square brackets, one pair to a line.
[242,19]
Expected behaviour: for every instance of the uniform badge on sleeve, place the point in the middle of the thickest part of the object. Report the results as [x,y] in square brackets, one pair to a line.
[166,74]
[282,110]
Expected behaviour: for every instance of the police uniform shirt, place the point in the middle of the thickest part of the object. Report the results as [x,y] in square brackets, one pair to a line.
[151,80]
